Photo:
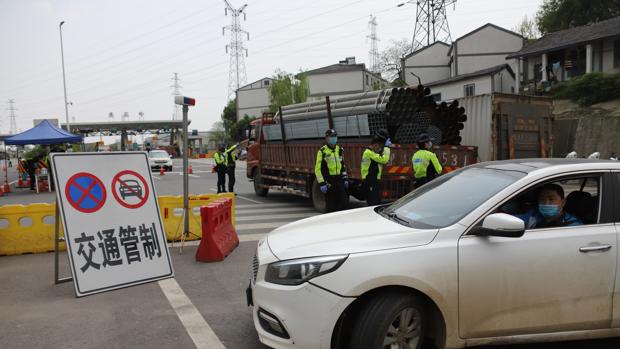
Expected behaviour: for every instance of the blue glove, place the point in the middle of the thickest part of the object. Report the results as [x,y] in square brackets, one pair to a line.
[324,188]
[388,142]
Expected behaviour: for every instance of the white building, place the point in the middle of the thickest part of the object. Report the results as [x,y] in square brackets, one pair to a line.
[343,78]
[253,99]
[562,55]
[473,64]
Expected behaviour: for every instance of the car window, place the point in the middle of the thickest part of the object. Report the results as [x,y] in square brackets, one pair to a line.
[158,154]
[447,199]
[562,202]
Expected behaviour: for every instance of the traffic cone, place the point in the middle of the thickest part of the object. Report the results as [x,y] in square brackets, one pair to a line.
[190,170]
[7,187]
[161,171]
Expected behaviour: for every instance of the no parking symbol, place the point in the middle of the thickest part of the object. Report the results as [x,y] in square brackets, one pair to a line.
[85,192]
[130,189]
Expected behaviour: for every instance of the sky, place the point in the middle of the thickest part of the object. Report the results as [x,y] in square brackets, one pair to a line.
[120,55]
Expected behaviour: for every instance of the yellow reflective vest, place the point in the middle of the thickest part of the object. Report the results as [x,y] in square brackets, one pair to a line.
[370,159]
[220,159]
[329,162]
[421,161]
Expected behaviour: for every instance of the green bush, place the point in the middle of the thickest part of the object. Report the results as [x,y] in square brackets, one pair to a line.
[589,89]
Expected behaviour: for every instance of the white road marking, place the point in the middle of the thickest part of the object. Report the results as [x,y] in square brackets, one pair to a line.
[12,182]
[242,238]
[259,209]
[275,216]
[256,226]
[266,205]
[193,175]
[196,326]
[156,178]
[250,200]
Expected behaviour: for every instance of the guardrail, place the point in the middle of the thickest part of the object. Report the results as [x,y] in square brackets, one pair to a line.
[30,228]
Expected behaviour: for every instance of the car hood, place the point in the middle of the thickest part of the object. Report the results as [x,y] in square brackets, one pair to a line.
[353,231]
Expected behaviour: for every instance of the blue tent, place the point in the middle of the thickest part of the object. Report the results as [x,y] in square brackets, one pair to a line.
[43,133]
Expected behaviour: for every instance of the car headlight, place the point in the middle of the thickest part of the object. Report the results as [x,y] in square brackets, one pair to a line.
[298,271]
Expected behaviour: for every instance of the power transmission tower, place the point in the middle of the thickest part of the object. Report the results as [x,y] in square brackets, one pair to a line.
[140,116]
[12,123]
[431,23]
[236,69]
[111,116]
[176,91]
[373,54]
[125,117]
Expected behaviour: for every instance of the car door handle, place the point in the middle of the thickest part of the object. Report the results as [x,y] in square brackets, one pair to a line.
[595,248]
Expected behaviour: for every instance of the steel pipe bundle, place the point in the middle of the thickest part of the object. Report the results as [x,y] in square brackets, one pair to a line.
[404,112]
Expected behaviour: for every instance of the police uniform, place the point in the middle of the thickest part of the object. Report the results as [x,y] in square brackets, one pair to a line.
[426,166]
[372,167]
[231,159]
[221,163]
[330,170]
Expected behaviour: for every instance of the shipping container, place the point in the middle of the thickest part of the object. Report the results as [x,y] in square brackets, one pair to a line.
[507,126]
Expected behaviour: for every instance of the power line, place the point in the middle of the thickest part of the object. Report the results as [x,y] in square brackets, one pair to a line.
[12,123]
[373,53]
[236,68]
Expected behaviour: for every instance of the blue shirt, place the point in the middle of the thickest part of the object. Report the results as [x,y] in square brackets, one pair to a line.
[533,219]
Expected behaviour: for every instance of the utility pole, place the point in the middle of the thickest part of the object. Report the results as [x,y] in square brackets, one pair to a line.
[431,23]
[111,116]
[12,123]
[176,91]
[236,69]
[125,117]
[140,116]
[64,80]
[373,54]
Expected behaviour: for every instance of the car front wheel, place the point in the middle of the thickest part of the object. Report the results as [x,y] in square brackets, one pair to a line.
[391,320]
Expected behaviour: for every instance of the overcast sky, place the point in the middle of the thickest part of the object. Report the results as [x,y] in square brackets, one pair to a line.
[120,55]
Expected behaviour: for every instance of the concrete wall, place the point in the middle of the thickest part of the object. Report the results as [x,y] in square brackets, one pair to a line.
[486,48]
[456,89]
[503,82]
[430,64]
[336,83]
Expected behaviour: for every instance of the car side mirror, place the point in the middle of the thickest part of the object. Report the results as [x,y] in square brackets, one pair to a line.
[501,225]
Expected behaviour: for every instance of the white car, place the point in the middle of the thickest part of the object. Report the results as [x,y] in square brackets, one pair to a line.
[468,259]
[159,159]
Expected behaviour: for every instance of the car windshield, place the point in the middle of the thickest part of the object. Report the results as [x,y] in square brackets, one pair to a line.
[159,155]
[447,199]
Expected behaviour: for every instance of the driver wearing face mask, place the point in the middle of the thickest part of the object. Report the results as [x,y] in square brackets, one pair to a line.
[550,211]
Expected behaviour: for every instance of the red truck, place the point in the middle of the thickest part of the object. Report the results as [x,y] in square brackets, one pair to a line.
[288,165]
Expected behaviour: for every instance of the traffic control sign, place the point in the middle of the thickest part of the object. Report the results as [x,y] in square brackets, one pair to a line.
[130,189]
[85,192]
[116,243]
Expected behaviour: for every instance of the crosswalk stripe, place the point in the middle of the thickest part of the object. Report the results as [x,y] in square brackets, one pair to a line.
[275,216]
[261,206]
[259,210]
[256,226]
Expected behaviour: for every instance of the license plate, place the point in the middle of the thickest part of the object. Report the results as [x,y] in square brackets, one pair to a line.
[248,296]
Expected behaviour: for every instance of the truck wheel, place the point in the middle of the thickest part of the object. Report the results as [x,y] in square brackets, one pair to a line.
[260,191]
[390,320]
[318,198]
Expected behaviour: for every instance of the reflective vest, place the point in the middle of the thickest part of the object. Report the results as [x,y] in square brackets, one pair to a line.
[372,163]
[329,162]
[220,159]
[422,160]
[230,156]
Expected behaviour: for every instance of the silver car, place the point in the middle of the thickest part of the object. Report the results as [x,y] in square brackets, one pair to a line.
[499,252]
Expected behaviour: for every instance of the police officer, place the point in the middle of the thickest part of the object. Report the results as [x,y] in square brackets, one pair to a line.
[231,159]
[426,166]
[221,163]
[331,173]
[373,159]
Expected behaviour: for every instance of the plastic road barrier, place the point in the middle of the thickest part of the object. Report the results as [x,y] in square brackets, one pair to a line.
[219,237]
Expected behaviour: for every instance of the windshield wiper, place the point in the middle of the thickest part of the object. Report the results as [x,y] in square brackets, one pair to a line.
[395,217]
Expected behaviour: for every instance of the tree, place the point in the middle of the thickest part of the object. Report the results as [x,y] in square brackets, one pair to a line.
[229,115]
[390,59]
[556,15]
[237,131]
[527,28]
[218,133]
[287,89]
